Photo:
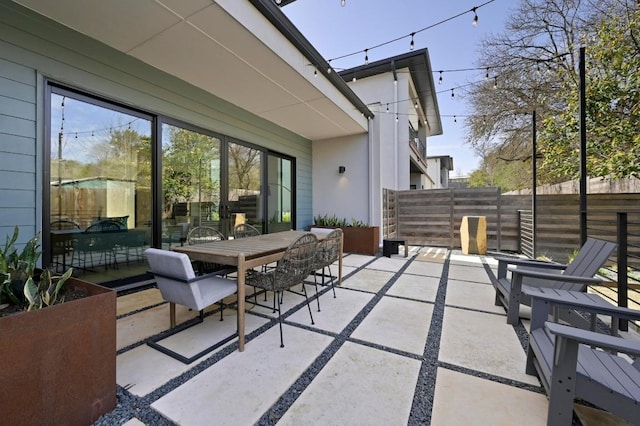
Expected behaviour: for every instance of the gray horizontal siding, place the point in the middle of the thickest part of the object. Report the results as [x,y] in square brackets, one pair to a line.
[17,144]
[17,150]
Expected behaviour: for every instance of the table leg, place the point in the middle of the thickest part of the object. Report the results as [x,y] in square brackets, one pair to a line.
[241,292]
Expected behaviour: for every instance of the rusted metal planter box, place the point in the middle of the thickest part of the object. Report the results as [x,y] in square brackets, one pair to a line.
[362,240]
[59,363]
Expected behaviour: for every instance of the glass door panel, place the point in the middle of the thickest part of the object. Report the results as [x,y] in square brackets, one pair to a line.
[244,198]
[190,183]
[280,196]
[100,188]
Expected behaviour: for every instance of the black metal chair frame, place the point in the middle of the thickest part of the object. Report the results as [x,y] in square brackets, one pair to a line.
[292,269]
[327,253]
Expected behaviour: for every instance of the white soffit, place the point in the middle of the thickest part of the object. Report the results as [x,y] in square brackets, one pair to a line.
[242,58]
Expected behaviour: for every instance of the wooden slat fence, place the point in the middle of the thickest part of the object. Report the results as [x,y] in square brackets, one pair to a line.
[433,217]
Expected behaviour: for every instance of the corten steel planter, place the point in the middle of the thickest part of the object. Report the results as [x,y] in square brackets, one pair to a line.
[59,362]
[362,240]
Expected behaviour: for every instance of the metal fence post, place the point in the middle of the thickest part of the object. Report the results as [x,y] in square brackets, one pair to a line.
[623,287]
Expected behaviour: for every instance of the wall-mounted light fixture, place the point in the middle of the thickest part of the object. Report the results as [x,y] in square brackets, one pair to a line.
[342,169]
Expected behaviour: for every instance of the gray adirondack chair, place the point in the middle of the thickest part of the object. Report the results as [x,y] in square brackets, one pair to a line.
[575,276]
[575,363]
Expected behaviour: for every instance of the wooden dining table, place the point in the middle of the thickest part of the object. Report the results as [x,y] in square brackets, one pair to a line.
[247,253]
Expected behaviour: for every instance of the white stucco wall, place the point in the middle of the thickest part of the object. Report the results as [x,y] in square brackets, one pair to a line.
[345,195]
[393,136]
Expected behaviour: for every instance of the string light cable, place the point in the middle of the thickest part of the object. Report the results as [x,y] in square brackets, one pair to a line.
[412,34]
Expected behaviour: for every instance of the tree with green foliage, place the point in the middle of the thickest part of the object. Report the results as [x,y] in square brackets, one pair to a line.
[612,107]
[533,65]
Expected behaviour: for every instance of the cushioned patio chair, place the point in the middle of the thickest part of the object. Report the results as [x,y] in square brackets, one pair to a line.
[179,284]
[575,363]
[295,265]
[575,276]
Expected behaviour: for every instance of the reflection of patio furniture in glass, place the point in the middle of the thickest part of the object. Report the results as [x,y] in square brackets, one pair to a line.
[62,236]
[133,243]
[101,238]
[175,234]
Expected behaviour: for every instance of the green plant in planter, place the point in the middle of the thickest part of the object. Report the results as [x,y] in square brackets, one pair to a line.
[329,221]
[355,223]
[20,284]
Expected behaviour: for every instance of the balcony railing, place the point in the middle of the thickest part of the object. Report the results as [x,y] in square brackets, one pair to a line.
[418,146]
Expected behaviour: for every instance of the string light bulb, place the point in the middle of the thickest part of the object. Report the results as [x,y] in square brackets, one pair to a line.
[416,104]
[452,94]
[343,2]
[329,67]
[455,119]
[412,44]
[475,17]
[315,72]
[278,1]
[396,118]
[495,82]
[354,77]
[366,56]
[486,76]
[387,108]
[440,79]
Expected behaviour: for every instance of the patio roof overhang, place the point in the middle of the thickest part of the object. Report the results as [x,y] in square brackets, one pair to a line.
[245,52]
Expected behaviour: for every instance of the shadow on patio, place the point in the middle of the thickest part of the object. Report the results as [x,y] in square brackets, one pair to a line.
[413,340]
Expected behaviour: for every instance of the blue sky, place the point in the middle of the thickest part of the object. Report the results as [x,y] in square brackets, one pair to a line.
[336,31]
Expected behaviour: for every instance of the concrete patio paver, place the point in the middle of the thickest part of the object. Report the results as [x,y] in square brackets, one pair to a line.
[238,389]
[345,391]
[415,287]
[367,280]
[483,342]
[473,296]
[397,323]
[461,399]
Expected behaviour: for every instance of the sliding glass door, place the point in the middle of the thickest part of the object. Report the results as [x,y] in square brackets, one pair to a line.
[99,195]
[244,200]
[190,183]
[279,193]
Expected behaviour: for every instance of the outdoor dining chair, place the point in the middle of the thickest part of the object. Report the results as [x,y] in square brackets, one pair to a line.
[327,253]
[202,235]
[295,265]
[179,284]
[243,230]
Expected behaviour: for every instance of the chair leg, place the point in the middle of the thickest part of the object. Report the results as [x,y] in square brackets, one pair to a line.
[315,282]
[333,281]
[172,314]
[304,289]
[221,310]
[279,320]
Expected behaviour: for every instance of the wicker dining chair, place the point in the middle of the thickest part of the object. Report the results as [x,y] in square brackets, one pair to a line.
[295,265]
[243,230]
[202,235]
[327,253]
